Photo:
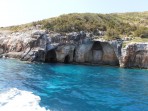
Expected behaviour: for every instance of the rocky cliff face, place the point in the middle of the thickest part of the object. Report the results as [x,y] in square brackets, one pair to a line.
[135,55]
[95,52]
[71,48]
[24,45]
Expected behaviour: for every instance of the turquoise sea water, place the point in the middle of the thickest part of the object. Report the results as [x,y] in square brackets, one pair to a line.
[67,87]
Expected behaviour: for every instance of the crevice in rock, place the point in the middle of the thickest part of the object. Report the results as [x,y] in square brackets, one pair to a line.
[74,55]
[26,53]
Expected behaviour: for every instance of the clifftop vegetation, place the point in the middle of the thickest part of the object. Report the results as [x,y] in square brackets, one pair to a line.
[113,25]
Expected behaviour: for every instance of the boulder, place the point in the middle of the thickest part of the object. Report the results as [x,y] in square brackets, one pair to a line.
[13,55]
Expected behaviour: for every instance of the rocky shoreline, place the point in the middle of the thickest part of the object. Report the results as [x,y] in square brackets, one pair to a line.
[75,47]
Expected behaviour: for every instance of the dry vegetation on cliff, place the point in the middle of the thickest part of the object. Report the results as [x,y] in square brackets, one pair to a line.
[113,25]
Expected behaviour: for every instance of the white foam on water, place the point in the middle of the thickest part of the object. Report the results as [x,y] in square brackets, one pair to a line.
[18,100]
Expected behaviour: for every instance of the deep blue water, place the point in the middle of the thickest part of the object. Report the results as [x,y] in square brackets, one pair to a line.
[67,87]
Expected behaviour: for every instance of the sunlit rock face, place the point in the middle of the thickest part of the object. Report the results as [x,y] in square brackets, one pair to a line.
[135,55]
[96,53]
[83,53]
[76,47]
[36,49]
[65,53]
[14,42]
[109,55]
[91,53]
[53,47]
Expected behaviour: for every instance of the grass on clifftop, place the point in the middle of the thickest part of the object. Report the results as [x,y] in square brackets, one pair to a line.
[135,40]
[112,25]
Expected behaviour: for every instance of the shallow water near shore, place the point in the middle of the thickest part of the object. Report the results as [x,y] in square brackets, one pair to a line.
[67,87]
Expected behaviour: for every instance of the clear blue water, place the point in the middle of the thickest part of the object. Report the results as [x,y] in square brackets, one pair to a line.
[66,87]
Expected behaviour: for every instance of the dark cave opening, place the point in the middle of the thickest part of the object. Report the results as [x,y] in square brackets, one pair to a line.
[67,59]
[97,46]
[51,56]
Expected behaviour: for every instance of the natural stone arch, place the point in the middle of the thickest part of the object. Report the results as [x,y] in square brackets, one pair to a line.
[51,56]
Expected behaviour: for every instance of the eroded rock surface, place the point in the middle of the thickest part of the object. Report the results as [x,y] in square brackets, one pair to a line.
[96,53]
[75,47]
[135,55]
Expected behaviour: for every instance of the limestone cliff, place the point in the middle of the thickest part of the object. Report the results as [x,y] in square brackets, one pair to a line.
[76,47]
[135,55]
